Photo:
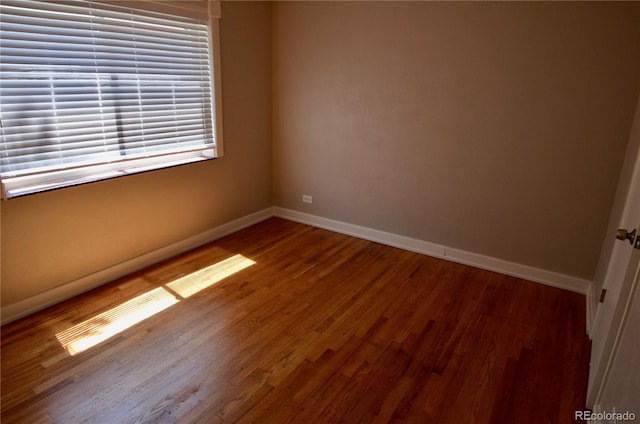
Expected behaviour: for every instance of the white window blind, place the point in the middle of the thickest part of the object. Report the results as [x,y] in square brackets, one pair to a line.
[91,91]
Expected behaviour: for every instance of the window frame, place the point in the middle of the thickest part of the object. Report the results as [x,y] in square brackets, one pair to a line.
[70,176]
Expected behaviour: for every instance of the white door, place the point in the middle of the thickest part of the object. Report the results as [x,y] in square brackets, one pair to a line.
[609,329]
[621,390]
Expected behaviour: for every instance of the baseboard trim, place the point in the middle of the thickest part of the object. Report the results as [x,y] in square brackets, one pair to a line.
[382,237]
[43,300]
[83,284]
[501,266]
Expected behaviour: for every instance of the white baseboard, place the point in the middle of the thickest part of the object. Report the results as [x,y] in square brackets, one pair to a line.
[96,279]
[86,283]
[501,266]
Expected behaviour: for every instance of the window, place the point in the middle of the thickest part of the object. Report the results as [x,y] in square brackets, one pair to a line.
[92,91]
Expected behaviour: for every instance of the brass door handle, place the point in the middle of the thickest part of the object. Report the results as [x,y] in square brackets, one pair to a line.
[623,234]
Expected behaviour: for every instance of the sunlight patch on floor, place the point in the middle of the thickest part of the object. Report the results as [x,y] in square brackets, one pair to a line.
[193,283]
[94,331]
[89,333]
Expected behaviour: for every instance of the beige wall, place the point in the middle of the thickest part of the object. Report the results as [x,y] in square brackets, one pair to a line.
[50,239]
[496,128]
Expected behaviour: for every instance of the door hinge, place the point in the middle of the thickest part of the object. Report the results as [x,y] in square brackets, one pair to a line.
[603,293]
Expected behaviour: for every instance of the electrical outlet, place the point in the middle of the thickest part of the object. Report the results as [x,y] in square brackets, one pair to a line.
[307,199]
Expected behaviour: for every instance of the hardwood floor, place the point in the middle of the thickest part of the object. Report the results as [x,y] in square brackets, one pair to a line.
[308,326]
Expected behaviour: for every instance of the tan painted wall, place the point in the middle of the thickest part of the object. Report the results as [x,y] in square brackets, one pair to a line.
[52,238]
[496,128]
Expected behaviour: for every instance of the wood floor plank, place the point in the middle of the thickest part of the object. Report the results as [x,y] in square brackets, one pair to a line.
[318,327]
